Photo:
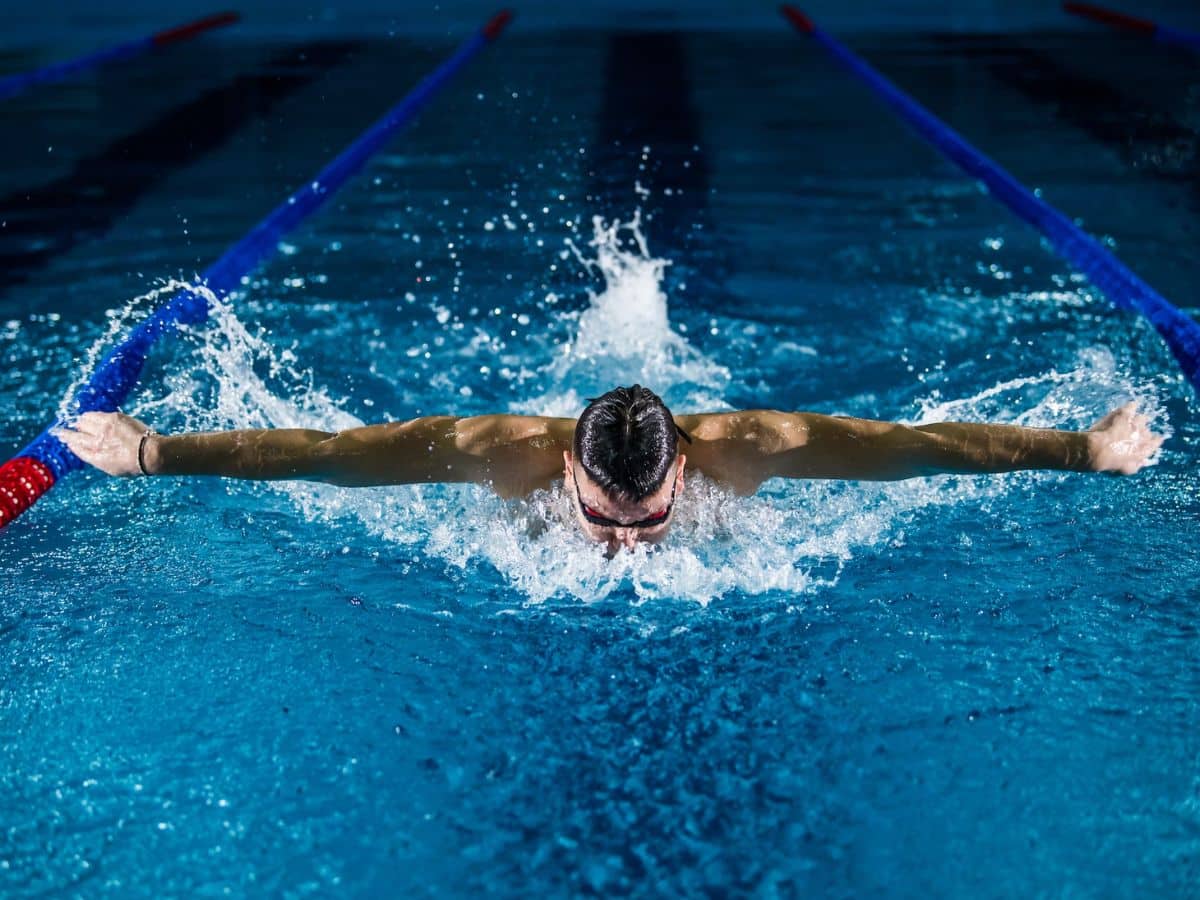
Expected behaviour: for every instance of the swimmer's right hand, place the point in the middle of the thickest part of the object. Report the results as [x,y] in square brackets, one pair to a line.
[107,440]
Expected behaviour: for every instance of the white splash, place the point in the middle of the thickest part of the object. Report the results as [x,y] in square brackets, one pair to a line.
[791,538]
[1052,399]
[119,323]
[624,335]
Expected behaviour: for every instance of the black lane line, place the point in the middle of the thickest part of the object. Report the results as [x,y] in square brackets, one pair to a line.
[647,103]
[82,206]
[1146,138]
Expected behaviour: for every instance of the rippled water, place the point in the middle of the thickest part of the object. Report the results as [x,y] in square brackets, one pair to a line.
[952,686]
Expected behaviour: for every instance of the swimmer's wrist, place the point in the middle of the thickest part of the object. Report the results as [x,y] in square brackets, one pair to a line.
[1070,451]
[1094,444]
[1079,452]
[150,454]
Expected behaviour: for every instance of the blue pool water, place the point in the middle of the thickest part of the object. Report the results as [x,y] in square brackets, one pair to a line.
[952,687]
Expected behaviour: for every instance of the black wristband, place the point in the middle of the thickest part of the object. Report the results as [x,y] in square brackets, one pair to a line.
[142,452]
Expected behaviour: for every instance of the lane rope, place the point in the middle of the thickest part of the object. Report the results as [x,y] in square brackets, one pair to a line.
[1126,22]
[38,466]
[20,82]
[1120,285]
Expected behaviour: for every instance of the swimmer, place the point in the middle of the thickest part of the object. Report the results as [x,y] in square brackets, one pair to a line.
[622,461]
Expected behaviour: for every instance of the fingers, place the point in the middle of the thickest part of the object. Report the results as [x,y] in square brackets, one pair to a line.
[1124,416]
[1144,447]
[80,443]
[105,424]
[1140,432]
[1124,420]
[89,423]
[95,423]
[1149,446]
[1116,417]
[1105,422]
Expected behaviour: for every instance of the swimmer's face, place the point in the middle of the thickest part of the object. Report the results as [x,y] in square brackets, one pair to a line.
[627,522]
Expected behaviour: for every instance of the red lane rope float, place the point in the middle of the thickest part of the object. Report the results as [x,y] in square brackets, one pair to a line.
[799,19]
[1110,17]
[497,24]
[11,85]
[191,29]
[1161,33]
[22,481]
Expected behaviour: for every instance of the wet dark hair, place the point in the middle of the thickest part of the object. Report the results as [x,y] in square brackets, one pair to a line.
[626,441]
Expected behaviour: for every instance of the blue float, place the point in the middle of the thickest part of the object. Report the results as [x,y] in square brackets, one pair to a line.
[29,475]
[1117,281]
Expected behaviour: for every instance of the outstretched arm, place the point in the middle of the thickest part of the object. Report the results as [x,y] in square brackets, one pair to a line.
[514,453]
[746,448]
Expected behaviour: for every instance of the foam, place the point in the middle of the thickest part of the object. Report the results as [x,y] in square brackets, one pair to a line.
[790,539]
[624,334]
[118,322]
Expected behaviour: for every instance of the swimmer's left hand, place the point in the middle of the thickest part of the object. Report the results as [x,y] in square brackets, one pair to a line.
[1122,441]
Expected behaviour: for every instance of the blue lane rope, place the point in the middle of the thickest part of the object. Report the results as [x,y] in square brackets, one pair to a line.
[1186,39]
[118,372]
[1119,284]
[15,84]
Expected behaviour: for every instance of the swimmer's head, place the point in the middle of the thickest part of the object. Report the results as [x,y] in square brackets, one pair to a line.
[625,469]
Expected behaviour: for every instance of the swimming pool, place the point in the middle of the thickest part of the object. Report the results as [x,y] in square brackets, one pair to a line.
[959,686]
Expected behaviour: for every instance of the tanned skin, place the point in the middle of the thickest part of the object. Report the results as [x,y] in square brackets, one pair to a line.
[516,455]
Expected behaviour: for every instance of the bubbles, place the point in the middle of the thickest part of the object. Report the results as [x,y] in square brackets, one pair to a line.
[1051,399]
[789,541]
[537,547]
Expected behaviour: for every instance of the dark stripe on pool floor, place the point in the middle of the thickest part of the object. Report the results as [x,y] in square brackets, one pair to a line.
[82,206]
[1146,138]
[648,103]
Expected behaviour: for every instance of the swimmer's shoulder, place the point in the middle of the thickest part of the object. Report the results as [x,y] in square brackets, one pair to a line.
[767,430]
[522,454]
[530,433]
[736,448]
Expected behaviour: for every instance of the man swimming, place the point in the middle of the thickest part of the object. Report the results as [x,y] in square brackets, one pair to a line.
[622,461]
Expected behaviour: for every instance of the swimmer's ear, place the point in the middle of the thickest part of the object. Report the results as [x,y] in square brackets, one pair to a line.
[679,472]
[567,460]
